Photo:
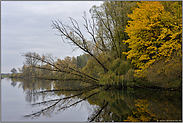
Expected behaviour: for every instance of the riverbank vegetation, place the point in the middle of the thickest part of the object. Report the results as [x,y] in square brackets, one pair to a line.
[136,44]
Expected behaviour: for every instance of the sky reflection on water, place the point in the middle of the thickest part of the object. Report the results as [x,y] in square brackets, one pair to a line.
[88,105]
[14,106]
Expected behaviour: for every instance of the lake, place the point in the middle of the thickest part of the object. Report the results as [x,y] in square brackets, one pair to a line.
[29,100]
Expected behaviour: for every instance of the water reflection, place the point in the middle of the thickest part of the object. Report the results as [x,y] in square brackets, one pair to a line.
[107,104]
[14,83]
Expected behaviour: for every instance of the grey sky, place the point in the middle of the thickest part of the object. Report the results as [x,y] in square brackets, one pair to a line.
[26,26]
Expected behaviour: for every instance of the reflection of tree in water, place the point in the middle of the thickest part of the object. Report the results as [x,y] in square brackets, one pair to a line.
[113,107]
[32,86]
[106,104]
[14,83]
[60,104]
[137,106]
[31,95]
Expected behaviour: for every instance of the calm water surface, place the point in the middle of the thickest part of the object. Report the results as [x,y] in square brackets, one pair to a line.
[31,100]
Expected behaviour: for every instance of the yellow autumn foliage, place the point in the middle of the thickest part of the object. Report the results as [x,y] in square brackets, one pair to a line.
[154,33]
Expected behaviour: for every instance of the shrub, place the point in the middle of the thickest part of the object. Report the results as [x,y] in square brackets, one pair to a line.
[166,73]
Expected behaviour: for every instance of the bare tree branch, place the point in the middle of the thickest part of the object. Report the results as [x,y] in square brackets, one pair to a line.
[78,41]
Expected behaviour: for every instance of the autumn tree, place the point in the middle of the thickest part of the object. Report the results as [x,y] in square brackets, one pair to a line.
[30,63]
[62,66]
[111,20]
[13,71]
[155,33]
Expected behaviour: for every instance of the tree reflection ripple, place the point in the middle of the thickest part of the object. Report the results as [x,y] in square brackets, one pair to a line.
[106,104]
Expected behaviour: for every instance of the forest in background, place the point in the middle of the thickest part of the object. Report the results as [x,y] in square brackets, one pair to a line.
[131,43]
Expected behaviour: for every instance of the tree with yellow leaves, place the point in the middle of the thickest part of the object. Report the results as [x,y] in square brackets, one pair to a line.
[155,33]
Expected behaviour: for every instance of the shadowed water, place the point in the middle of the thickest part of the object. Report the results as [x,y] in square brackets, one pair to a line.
[40,100]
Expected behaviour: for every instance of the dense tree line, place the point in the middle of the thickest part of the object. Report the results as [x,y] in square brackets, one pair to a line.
[130,43]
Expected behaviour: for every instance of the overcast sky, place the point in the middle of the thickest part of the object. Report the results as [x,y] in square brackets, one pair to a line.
[26,26]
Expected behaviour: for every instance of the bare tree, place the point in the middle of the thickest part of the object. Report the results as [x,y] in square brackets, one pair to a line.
[75,35]
[13,70]
[31,60]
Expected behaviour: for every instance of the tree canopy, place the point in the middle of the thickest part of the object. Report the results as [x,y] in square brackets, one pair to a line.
[155,33]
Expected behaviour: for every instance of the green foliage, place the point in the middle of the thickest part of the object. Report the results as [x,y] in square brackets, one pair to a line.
[120,67]
[82,60]
[111,79]
[117,70]
[111,19]
[120,73]
[93,68]
[6,76]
